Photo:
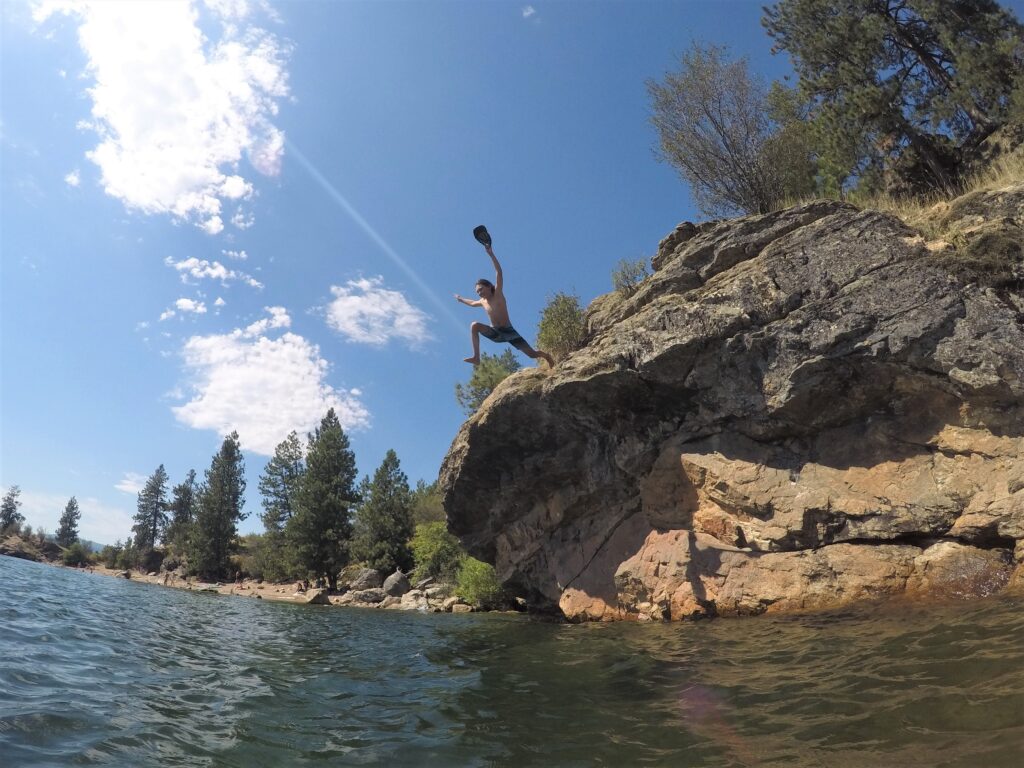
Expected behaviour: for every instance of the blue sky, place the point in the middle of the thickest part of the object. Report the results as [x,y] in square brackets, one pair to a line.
[231,215]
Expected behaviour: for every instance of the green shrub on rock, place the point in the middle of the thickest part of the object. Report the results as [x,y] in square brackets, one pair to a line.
[76,555]
[628,274]
[436,552]
[478,585]
[563,327]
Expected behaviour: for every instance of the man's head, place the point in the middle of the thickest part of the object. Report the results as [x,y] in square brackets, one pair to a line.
[484,288]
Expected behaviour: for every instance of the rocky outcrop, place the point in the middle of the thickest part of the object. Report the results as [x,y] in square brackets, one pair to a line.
[14,545]
[794,411]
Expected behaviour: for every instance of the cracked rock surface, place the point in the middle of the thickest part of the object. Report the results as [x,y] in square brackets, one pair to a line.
[796,410]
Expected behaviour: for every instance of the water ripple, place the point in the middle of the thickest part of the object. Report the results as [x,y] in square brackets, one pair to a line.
[101,671]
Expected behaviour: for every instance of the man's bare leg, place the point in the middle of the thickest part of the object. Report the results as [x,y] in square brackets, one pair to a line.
[535,353]
[475,333]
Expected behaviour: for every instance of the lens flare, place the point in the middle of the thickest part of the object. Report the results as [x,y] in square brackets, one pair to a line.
[370,232]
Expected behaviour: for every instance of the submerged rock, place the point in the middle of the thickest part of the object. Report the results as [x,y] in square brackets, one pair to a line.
[796,410]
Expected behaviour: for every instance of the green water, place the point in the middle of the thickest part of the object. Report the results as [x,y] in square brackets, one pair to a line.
[95,670]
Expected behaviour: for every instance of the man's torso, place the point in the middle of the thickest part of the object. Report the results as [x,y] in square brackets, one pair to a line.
[497,310]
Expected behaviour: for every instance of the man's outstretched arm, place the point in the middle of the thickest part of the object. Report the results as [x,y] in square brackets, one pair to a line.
[497,269]
[468,302]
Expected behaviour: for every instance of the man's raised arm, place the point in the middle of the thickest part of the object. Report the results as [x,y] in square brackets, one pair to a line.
[497,269]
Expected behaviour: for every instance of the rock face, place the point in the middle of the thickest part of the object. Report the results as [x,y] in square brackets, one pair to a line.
[795,410]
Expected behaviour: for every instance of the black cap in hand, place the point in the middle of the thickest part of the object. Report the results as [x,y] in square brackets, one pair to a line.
[482,235]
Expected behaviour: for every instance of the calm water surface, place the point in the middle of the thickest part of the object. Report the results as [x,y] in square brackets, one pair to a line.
[95,670]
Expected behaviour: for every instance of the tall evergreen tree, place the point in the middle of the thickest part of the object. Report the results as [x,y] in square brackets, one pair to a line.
[151,515]
[219,510]
[279,482]
[320,529]
[890,76]
[67,528]
[9,514]
[278,485]
[384,525]
[182,509]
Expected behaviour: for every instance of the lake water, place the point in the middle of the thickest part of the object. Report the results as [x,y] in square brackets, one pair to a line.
[96,670]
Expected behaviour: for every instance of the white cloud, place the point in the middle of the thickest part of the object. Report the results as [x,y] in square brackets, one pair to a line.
[132,483]
[73,179]
[219,302]
[262,387]
[237,255]
[278,319]
[100,522]
[176,111]
[190,305]
[229,9]
[529,11]
[366,312]
[242,219]
[166,315]
[201,269]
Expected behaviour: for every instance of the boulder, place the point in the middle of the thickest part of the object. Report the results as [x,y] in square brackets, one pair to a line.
[316,597]
[368,595]
[792,412]
[367,578]
[462,608]
[396,584]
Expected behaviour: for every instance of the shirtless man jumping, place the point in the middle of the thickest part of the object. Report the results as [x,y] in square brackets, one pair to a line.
[492,299]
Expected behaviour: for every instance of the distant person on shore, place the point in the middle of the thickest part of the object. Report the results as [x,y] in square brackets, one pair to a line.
[492,299]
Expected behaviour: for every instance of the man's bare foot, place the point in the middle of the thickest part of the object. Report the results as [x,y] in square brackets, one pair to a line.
[472,360]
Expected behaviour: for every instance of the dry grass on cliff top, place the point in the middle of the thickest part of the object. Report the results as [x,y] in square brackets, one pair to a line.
[925,214]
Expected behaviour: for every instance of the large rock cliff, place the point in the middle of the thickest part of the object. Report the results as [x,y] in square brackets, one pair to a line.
[795,410]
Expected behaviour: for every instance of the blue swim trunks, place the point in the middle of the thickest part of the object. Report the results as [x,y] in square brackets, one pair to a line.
[505,334]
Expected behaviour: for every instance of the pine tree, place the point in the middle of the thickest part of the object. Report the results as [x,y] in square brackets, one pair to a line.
[279,482]
[492,370]
[278,485]
[67,530]
[219,509]
[182,508]
[383,525]
[888,77]
[9,514]
[151,515]
[320,529]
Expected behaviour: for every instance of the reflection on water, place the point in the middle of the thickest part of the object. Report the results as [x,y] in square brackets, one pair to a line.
[96,670]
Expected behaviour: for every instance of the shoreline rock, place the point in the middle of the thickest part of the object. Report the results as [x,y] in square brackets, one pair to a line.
[795,411]
[286,593]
